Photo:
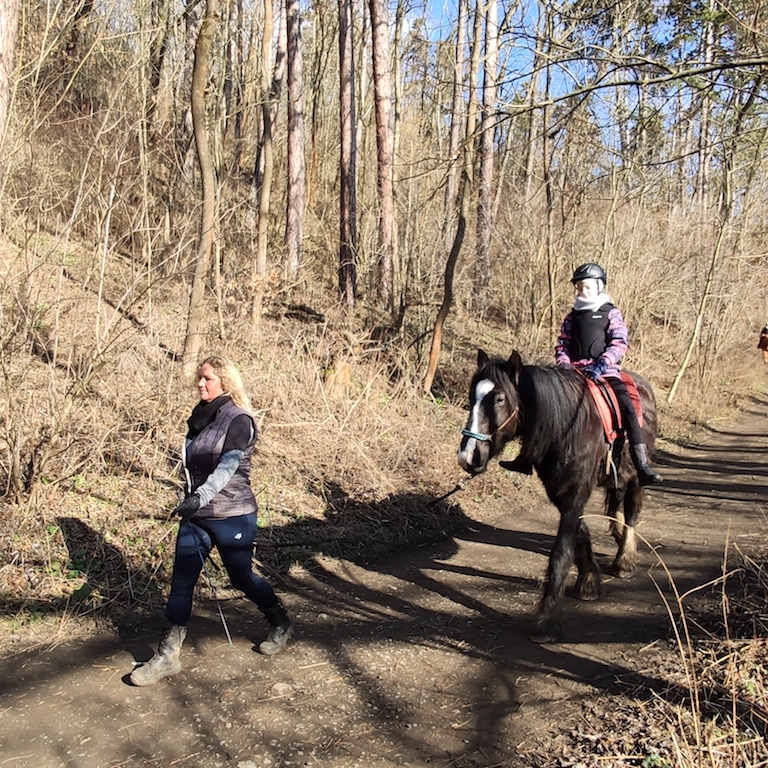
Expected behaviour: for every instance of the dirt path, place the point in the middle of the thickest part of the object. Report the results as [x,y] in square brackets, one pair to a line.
[418,660]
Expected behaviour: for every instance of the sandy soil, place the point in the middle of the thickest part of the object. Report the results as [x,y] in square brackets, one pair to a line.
[420,659]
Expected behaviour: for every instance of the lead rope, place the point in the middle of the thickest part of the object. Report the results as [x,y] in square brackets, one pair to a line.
[456,488]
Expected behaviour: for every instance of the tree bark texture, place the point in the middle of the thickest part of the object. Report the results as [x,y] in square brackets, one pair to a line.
[454,137]
[482,278]
[196,317]
[348,161]
[382,93]
[9,21]
[294,216]
[265,190]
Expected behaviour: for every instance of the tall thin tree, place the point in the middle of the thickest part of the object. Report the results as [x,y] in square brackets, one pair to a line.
[482,279]
[382,93]
[193,340]
[294,217]
[9,21]
[455,134]
[348,160]
[265,189]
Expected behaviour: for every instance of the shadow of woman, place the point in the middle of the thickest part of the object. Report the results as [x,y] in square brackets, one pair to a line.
[109,581]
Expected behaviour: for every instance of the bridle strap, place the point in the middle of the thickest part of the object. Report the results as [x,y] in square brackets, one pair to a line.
[477,435]
[483,438]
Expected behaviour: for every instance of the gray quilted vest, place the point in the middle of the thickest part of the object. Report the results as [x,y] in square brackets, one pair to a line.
[202,455]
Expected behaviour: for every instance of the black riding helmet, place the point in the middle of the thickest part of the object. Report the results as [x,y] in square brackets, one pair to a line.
[589,270]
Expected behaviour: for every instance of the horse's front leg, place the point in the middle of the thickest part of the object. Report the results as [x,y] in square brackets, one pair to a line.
[548,626]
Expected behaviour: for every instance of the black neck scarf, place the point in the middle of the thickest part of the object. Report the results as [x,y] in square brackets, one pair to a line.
[203,414]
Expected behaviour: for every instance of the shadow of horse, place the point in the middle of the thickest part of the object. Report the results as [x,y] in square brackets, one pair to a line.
[358,531]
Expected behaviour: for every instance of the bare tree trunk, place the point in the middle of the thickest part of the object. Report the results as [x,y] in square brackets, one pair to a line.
[157,51]
[320,53]
[193,340]
[445,307]
[348,162]
[234,85]
[482,278]
[532,95]
[265,189]
[382,87]
[454,155]
[704,149]
[9,20]
[294,217]
[272,96]
[704,301]
[546,165]
[184,134]
[461,227]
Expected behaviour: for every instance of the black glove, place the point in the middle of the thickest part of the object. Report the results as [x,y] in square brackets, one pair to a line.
[591,374]
[188,508]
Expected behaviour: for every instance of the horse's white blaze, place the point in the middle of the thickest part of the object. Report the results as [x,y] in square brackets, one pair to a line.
[481,390]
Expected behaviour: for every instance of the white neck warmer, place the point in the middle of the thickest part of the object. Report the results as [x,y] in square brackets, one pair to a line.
[592,304]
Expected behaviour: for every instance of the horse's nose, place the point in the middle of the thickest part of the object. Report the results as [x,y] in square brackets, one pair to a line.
[470,460]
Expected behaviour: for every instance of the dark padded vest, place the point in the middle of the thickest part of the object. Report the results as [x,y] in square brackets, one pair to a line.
[202,455]
[589,332]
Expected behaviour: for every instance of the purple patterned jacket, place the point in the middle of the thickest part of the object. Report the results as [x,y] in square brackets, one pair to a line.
[608,363]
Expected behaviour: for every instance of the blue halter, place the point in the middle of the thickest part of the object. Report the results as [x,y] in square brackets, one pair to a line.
[477,435]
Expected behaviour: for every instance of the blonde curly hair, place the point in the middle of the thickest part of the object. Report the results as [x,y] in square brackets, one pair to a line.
[231,380]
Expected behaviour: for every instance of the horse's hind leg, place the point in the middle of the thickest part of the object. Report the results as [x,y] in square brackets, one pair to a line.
[588,582]
[615,514]
[623,529]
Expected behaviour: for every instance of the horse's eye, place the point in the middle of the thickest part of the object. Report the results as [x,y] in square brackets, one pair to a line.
[499,399]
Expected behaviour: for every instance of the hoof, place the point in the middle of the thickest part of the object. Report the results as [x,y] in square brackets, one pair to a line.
[546,632]
[588,587]
[623,569]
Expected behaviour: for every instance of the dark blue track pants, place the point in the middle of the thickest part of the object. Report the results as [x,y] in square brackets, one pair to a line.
[233,537]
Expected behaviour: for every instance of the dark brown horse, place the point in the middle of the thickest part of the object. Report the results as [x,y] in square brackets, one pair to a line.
[550,410]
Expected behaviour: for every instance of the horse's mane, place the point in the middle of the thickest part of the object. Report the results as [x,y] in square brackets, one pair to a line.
[551,404]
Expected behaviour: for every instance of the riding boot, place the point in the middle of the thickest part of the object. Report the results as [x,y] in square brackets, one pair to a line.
[165,662]
[280,629]
[518,464]
[645,472]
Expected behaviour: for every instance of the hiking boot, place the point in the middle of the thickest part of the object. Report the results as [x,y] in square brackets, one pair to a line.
[165,662]
[281,628]
[646,474]
[518,464]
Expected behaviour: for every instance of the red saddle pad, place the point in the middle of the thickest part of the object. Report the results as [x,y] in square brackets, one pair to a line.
[608,405]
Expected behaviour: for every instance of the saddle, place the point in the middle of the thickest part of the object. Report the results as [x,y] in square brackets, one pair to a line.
[608,407]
